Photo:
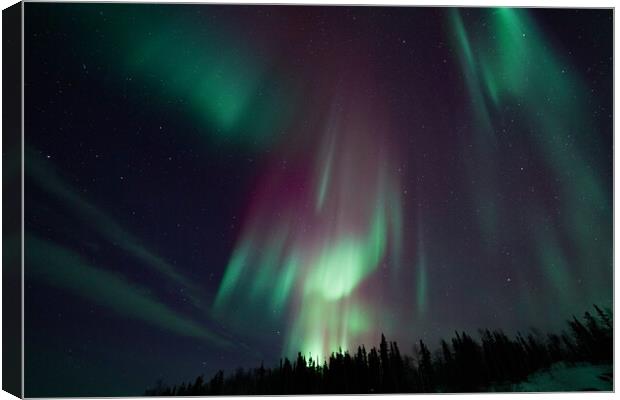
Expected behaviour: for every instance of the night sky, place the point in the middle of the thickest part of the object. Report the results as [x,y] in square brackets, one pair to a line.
[210,187]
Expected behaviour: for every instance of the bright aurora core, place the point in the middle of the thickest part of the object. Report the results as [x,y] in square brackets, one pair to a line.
[319,231]
[210,187]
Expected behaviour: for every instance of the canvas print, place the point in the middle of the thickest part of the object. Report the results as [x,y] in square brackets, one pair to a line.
[254,199]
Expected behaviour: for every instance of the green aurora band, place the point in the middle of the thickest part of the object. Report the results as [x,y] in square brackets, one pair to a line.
[65,269]
[43,174]
[223,85]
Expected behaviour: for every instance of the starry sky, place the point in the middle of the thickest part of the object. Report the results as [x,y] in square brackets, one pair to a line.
[210,187]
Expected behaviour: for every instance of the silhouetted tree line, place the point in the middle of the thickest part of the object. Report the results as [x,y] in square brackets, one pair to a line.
[463,364]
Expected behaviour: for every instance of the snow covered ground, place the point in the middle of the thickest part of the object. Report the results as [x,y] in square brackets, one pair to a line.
[566,378]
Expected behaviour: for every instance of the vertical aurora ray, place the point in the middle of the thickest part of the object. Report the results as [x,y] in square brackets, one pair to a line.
[313,250]
[482,166]
[421,284]
[509,65]
[324,179]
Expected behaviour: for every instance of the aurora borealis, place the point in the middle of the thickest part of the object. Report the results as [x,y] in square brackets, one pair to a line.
[318,234]
[210,187]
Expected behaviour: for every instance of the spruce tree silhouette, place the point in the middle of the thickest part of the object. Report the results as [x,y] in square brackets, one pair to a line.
[386,373]
[425,369]
[459,365]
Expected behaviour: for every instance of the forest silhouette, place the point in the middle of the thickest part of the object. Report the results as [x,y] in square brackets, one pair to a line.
[462,364]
